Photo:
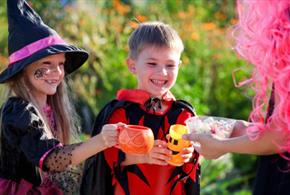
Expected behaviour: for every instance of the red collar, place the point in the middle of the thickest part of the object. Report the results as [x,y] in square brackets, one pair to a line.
[140,96]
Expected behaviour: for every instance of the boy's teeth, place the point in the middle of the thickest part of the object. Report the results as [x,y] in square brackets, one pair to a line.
[158,82]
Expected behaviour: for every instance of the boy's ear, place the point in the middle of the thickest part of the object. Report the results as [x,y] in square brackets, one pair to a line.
[131,65]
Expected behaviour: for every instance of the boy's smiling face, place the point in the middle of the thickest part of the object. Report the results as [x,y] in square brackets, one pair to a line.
[156,69]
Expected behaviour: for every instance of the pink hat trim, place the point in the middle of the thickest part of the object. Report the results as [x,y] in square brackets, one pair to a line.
[34,47]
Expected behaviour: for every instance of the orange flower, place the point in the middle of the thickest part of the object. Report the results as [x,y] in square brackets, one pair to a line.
[141,18]
[3,60]
[133,24]
[194,36]
[181,15]
[209,26]
[220,16]
[185,61]
[120,8]
[234,21]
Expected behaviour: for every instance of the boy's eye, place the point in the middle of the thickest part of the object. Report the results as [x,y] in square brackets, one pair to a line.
[171,66]
[151,63]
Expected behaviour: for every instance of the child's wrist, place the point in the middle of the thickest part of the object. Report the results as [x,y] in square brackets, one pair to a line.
[100,142]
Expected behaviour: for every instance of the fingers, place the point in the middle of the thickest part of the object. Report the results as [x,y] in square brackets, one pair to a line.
[160,150]
[160,143]
[167,136]
[110,128]
[159,153]
[159,159]
[188,150]
[192,137]
[186,153]
[120,124]
[110,134]
[197,148]
[186,157]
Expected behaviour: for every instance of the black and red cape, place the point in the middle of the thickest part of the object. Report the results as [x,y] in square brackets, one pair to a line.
[103,173]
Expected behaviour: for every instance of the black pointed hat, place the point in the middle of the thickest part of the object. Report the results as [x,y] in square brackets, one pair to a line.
[30,40]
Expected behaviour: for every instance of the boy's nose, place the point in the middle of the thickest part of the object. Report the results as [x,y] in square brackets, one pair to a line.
[163,71]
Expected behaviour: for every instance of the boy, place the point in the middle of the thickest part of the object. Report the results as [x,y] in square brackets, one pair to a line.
[154,57]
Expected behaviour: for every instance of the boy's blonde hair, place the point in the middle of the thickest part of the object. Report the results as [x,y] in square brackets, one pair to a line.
[153,34]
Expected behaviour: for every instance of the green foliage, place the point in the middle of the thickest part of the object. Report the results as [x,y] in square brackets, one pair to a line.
[205,77]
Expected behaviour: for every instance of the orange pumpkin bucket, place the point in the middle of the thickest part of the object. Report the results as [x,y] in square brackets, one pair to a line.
[176,143]
[135,139]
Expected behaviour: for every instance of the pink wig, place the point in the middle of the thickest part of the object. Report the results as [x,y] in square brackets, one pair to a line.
[263,38]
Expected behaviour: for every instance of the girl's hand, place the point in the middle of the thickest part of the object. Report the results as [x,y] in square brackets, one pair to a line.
[186,153]
[109,135]
[158,155]
[207,145]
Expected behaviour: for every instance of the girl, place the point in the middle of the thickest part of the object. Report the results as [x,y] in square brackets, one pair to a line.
[263,39]
[35,155]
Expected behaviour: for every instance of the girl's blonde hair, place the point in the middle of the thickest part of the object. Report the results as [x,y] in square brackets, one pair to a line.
[65,116]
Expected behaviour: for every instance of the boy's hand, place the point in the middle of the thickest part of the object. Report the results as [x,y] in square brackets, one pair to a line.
[186,153]
[159,154]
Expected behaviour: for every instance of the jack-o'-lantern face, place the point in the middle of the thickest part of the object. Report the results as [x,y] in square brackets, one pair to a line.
[136,139]
[176,143]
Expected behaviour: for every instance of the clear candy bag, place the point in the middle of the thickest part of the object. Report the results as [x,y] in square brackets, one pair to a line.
[220,126]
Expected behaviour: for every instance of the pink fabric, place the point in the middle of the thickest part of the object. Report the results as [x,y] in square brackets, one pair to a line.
[50,116]
[45,155]
[34,47]
[9,187]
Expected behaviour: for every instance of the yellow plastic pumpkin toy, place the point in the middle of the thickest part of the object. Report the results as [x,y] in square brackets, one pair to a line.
[176,143]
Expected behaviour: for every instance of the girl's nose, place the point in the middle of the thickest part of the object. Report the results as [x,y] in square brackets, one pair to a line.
[55,71]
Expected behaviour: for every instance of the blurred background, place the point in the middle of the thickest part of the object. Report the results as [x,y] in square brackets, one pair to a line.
[205,79]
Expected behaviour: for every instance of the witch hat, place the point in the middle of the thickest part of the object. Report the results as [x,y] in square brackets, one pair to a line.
[30,40]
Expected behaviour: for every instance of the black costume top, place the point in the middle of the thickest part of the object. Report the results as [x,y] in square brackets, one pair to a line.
[273,173]
[23,141]
[27,152]
[104,174]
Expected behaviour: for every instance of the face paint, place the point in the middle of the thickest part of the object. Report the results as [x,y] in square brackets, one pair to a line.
[41,73]
[45,73]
